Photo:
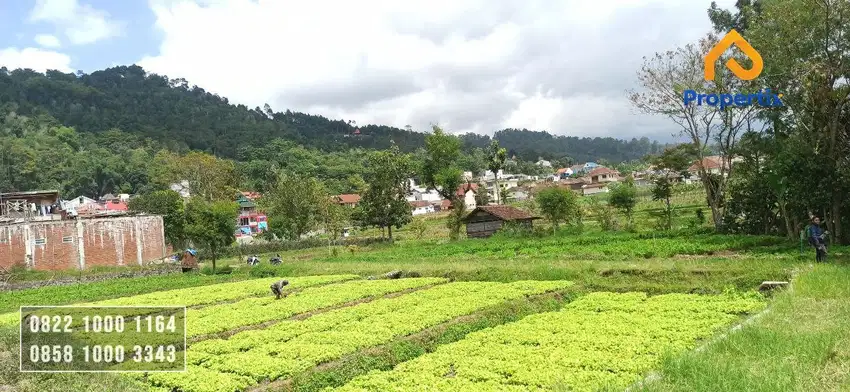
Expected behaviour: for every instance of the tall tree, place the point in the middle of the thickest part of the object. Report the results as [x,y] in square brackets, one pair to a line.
[663,80]
[559,205]
[440,171]
[293,205]
[169,204]
[669,166]
[210,226]
[623,197]
[384,204]
[806,54]
[496,157]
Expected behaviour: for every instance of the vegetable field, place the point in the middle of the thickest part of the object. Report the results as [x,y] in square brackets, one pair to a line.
[589,312]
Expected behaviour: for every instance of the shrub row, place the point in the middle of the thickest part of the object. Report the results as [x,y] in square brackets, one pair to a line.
[281,246]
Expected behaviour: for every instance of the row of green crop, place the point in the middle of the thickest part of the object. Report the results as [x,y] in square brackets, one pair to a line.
[203,295]
[589,246]
[252,311]
[603,341]
[295,346]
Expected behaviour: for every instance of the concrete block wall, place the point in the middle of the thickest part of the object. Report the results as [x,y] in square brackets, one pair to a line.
[56,245]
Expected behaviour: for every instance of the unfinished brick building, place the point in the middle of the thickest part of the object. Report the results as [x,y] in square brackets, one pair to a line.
[81,243]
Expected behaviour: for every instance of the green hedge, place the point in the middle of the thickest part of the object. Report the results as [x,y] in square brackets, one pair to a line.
[280,246]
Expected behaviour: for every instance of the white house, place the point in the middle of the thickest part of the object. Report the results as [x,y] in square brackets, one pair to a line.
[421,207]
[504,185]
[419,192]
[467,191]
[544,163]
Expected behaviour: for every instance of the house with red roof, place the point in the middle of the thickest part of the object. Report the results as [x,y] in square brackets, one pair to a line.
[467,193]
[349,200]
[603,174]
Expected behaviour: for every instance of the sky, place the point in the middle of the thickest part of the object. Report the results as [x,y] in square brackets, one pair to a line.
[561,66]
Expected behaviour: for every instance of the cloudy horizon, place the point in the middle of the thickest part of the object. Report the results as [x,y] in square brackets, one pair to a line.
[470,66]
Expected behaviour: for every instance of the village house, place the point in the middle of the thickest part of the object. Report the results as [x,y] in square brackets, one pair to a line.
[713,164]
[603,174]
[484,221]
[467,193]
[574,184]
[421,207]
[418,192]
[594,188]
[563,173]
[250,220]
[543,163]
[30,206]
[71,206]
[348,200]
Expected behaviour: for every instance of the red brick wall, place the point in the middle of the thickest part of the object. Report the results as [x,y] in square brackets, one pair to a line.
[105,242]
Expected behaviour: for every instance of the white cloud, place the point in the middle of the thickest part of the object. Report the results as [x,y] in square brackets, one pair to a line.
[34,58]
[470,65]
[47,41]
[81,23]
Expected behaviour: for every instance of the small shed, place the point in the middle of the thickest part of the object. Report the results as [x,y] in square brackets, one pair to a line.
[483,221]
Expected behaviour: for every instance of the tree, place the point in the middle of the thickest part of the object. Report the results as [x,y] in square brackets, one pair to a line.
[603,214]
[294,205]
[210,226]
[496,158]
[418,227]
[169,204]
[333,216]
[670,165]
[210,178]
[440,171]
[623,196]
[482,197]
[384,204]
[666,76]
[805,50]
[559,205]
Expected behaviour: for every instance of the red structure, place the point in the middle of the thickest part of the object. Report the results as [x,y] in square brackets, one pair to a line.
[250,221]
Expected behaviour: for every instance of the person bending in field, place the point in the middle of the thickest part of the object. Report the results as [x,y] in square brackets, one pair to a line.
[277,288]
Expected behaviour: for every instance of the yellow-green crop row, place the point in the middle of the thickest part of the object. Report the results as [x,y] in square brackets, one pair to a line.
[203,295]
[286,330]
[292,347]
[601,341]
[252,311]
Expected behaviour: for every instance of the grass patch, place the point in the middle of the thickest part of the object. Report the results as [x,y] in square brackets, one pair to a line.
[800,345]
[385,357]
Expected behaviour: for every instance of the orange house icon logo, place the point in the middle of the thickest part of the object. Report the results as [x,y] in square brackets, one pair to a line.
[734,38]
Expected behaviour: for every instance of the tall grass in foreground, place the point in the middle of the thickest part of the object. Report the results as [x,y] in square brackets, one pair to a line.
[802,344]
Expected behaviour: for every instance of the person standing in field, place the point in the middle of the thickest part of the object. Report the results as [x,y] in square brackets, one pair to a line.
[277,288]
[817,239]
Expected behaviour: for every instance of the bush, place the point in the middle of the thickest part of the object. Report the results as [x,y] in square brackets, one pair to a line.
[279,246]
[225,270]
[264,271]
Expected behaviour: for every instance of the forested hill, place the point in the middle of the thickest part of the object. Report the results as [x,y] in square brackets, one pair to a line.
[184,117]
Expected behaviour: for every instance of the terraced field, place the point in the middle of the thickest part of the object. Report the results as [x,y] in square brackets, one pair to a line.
[590,326]
[242,341]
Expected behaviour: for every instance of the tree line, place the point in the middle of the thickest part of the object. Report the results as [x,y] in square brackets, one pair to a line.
[183,118]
